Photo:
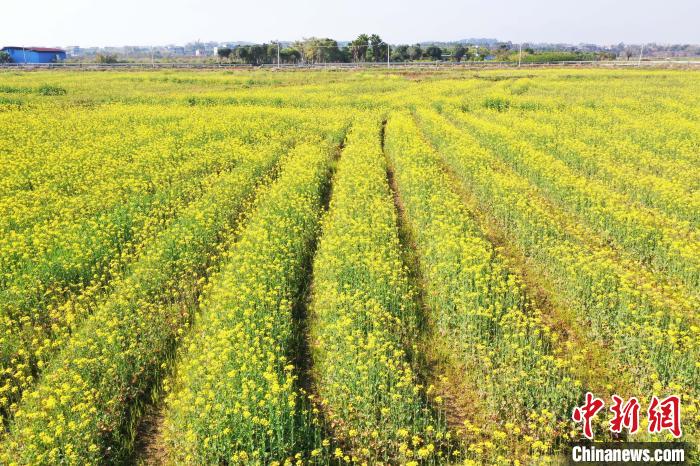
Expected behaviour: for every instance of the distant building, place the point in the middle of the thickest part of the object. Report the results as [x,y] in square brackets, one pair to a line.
[35,54]
[73,50]
[176,49]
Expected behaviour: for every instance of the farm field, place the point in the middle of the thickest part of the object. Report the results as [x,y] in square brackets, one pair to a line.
[344,267]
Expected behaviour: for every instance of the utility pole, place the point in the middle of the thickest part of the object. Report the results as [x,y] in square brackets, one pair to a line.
[639,63]
[387,56]
[520,55]
[278,54]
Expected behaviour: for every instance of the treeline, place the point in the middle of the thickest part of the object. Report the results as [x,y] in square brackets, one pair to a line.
[553,56]
[371,48]
[365,48]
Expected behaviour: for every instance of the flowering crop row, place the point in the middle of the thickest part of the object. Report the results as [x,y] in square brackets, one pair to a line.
[68,166]
[42,308]
[364,320]
[669,132]
[481,307]
[59,155]
[669,245]
[120,168]
[621,167]
[235,397]
[87,402]
[653,338]
[591,127]
[67,267]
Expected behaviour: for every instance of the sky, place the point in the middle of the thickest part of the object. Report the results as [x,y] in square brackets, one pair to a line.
[161,22]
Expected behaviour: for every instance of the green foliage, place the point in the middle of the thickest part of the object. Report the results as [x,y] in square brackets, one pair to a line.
[399,53]
[106,58]
[378,47]
[359,48]
[290,55]
[47,89]
[224,52]
[415,52]
[498,103]
[552,57]
[319,50]
[459,53]
[433,52]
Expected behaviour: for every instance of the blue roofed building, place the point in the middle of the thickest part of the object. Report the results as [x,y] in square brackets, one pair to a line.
[35,54]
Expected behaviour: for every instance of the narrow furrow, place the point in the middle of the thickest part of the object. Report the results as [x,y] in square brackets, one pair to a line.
[570,341]
[437,363]
[236,394]
[151,448]
[364,321]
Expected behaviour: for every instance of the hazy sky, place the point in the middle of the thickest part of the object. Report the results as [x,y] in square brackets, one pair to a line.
[159,22]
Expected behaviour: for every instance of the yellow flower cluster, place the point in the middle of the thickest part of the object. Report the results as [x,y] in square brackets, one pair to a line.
[363,319]
[664,139]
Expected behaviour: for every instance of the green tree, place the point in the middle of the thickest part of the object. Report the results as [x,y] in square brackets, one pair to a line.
[378,47]
[317,50]
[106,58]
[359,48]
[504,46]
[459,53]
[271,53]
[330,51]
[434,52]
[5,57]
[415,52]
[257,54]
[223,52]
[481,53]
[242,54]
[290,55]
[400,53]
